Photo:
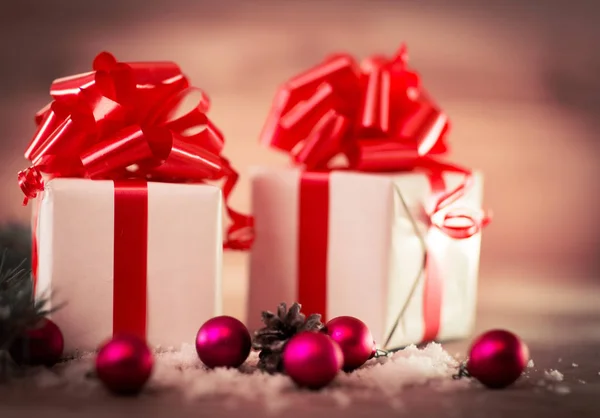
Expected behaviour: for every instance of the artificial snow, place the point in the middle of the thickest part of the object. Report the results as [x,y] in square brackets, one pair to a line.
[574,365]
[562,389]
[530,364]
[554,375]
[553,382]
[181,371]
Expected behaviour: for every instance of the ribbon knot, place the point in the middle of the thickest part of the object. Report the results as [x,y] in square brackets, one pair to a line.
[376,114]
[128,121]
[31,183]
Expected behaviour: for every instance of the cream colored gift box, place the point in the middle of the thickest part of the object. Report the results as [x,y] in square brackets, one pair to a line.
[374,256]
[75,233]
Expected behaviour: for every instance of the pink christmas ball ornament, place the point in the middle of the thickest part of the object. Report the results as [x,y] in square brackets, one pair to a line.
[124,364]
[354,338]
[312,359]
[223,341]
[497,358]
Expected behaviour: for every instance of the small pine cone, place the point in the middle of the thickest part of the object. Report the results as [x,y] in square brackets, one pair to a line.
[278,329]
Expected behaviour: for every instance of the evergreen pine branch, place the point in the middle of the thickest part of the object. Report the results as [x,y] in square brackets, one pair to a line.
[19,309]
[15,242]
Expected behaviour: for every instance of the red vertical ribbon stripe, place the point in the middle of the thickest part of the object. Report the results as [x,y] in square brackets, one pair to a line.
[433,285]
[34,247]
[313,230]
[130,258]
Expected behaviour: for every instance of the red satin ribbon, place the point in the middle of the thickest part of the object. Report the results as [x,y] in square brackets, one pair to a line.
[433,280]
[377,115]
[313,231]
[130,121]
[130,258]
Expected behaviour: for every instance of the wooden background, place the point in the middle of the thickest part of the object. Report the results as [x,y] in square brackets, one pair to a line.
[519,80]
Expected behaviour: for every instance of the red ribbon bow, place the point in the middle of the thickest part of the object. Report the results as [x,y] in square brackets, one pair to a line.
[378,116]
[130,121]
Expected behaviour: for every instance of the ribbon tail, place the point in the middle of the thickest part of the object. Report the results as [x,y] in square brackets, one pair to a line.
[460,223]
[240,234]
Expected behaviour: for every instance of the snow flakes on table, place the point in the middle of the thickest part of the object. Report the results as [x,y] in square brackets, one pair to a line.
[73,376]
[562,389]
[553,382]
[180,371]
[554,375]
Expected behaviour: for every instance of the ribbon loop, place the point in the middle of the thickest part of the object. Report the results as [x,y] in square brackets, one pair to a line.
[381,101]
[323,142]
[189,162]
[132,145]
[374,116]
[462,224]
[128,121]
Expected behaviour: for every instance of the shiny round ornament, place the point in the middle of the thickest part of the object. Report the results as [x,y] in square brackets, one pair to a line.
[312,359]
[223,341]
[354,338]
[497,358]
[124,364]
[40,345]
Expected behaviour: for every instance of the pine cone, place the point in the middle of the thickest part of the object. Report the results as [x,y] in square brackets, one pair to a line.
[279,328]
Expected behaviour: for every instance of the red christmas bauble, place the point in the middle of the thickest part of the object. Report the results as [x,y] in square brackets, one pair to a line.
[312,359]
[41,345]
[223,342]
[354,338]
[124,364]
[497,358]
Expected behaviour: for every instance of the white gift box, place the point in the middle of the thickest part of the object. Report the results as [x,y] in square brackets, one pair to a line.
[374,256]
[75,232]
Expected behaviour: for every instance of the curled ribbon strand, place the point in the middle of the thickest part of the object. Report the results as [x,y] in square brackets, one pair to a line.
[378,117]
[131,121]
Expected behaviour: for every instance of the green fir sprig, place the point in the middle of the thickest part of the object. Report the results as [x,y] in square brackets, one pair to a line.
[18,308]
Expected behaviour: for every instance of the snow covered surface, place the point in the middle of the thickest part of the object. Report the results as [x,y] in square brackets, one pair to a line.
[182,372]
[179,371]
